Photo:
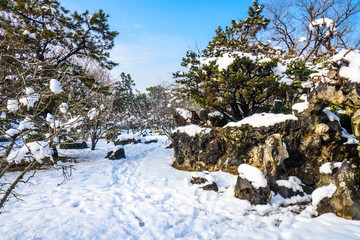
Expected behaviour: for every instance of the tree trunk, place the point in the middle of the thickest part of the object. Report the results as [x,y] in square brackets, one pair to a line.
[93,142]
[55,151]
[13,185]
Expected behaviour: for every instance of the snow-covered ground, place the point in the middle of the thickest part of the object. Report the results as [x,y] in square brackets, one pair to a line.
[143,197]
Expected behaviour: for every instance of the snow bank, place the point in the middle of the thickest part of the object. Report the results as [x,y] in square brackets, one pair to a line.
[322,192]
[124,136]
[263,120]
[253,175]
[143,197]
[116,148]
[352,71]
[192,130]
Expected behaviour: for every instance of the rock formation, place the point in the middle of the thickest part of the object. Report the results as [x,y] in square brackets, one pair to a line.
[295,147]
[117,153]
[252,185]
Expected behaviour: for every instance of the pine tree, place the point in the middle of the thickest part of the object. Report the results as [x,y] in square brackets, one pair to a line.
[234,74]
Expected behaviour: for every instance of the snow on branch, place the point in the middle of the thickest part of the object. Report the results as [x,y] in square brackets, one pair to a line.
[34,150]
[323,21]
[55,86]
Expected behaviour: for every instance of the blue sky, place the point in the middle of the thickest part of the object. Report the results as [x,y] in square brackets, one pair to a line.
[155,35]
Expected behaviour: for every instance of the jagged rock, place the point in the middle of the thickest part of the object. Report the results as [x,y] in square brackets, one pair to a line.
[151,141]
[355,121]
[331,95]
[345,202]
[274,155]
[290,148]
[245,190]
[127,141]
[78,145]
[321,130]
[198,180]
[116,153]
[311,141]
[203,114]
[286,192]
[252,185]
[199,152]
[211,187]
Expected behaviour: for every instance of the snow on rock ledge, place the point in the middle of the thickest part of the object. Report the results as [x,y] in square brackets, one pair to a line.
[322,192]
[184,113]
[327,168]
[263,120]
[192,130]
[253,175]
[332,116]
[251,185]
[293,183]
[300,106]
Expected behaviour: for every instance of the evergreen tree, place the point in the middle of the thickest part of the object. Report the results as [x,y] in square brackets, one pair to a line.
[236,73]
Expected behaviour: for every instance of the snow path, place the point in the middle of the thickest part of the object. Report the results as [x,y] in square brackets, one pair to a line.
[143,197]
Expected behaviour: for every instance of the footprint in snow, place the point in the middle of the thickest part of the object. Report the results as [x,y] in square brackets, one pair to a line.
[75,204]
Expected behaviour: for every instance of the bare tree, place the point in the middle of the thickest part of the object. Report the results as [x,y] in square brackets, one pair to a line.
[43,91]
[33,117]
[313,28]
[162,102]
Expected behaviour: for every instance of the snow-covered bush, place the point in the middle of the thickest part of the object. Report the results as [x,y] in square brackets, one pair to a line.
[44,89]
